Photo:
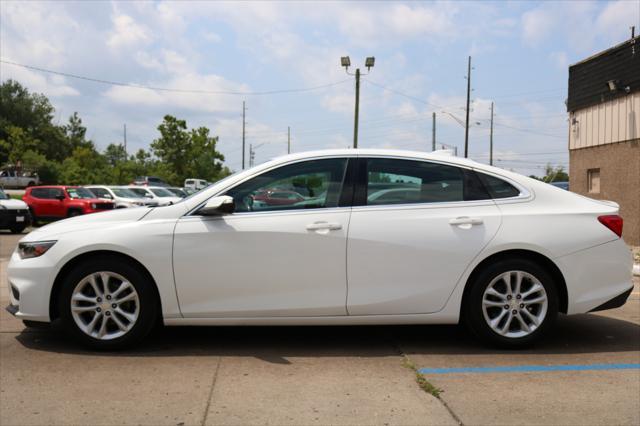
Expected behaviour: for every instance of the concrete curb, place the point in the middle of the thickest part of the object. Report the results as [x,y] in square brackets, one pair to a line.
[636,269]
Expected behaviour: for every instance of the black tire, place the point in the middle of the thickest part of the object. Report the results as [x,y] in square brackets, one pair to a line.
[472,310]
[73,213]
[149,305]
[17,229]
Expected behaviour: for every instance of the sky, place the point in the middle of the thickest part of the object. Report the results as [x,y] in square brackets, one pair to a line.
[283,60]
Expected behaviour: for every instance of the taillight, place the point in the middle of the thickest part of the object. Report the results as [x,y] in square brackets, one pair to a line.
[613,222]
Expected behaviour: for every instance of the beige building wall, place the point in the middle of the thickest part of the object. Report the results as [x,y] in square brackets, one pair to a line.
[619,166]
[608,122]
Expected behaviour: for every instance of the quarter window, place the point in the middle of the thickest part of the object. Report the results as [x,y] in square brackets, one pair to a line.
[497,187]
[306,185]
[392,181]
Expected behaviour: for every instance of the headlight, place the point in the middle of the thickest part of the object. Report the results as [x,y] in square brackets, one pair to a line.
[35,249]
[93,206]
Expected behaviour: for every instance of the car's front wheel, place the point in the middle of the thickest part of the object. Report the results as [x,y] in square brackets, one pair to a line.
[108,303]
[511,303]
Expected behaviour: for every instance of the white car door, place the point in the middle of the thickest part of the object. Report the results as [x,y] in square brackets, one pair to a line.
[271,257]
[414,229]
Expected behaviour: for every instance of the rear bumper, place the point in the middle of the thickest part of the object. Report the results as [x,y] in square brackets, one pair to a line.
[616,302]
[596,276]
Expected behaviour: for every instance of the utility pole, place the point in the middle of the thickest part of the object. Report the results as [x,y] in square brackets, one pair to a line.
[355,122]
[433,133]
[125,141]
[491,139]
[243,134]
[288,140]
[466,127]
[250,155]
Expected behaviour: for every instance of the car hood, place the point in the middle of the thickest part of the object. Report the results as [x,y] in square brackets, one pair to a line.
[86,222]
[13,204]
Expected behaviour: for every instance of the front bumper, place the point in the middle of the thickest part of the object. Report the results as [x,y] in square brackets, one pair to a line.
[30,282]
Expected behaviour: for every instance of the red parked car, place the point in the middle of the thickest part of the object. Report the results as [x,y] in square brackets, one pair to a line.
[278,197]
[58,202]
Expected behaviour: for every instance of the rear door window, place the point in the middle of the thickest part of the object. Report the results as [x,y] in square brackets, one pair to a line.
[396,181]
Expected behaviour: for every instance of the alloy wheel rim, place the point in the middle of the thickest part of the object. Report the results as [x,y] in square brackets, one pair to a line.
[515,304]
[105,305]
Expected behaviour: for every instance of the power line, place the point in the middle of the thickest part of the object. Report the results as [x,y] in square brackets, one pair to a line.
[166,89]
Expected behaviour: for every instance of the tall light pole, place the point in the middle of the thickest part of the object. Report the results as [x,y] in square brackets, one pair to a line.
[491,138]
[466,127]
[244,109]
[433,133]
[345,61]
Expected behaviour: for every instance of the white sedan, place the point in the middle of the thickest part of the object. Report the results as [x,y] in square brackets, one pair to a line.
[501,252]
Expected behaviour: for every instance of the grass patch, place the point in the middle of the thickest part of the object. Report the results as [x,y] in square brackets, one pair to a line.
[15,196]
[424,384]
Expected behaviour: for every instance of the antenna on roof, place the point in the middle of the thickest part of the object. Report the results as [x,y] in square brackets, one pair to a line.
[633,31]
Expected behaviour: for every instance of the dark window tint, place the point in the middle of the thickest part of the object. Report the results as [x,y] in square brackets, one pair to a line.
[498,188]
[46,193]
[391,181]
[306,185]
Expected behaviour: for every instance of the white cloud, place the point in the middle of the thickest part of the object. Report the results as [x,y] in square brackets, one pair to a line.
[617,17]
[560,59]
[537,25]
[127,33]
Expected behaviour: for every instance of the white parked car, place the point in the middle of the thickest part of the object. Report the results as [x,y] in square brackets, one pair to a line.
[159,195]
[195,184]
[122,197]
[501,252]
[14,214]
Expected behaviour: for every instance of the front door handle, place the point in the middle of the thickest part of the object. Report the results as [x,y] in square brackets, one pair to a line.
[466,220]
[321,226]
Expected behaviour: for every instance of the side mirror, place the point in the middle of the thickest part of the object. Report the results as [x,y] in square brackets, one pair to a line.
[60,197]
[218,206]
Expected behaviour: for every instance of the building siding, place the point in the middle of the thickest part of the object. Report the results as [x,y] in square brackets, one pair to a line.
[619,166]
[605,123]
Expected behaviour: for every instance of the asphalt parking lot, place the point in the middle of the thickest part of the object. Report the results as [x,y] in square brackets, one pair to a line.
[583,374]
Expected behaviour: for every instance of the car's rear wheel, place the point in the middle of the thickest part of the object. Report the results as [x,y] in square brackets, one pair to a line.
[108,303]
[511,303]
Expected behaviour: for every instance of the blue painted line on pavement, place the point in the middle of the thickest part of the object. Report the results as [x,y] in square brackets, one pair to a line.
[530,368]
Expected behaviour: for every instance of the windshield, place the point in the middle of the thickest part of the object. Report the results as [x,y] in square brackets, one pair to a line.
[161,192]
[76,193]
[3,196]
[140,192]
[125,193]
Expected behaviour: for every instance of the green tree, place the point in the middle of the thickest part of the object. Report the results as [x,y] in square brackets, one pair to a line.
[34,115]
[84,166]
[555,174]
[75,133]
[183,154]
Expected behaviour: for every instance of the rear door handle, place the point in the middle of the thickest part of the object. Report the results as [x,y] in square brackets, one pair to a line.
[466,220]
[320,226]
